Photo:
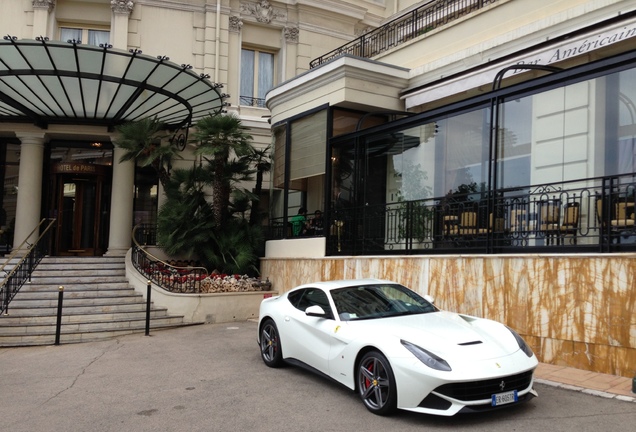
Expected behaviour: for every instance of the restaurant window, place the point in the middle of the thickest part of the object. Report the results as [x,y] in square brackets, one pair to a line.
[576,131]
[626,120]
[86,36]
[515,143]
[462,153]
[438,158]
[257,76]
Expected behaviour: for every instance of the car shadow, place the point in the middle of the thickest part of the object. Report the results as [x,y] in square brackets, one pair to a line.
[316,380]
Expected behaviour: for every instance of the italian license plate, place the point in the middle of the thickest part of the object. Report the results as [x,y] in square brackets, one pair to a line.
[504,398]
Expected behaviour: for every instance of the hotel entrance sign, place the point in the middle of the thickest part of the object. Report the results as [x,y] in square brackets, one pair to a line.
[78,168]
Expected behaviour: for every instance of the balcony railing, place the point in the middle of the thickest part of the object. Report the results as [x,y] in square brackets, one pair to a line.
[593,215]
[405,28]
[252,101]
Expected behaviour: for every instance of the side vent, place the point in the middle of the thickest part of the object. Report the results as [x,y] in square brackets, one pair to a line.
[470,343]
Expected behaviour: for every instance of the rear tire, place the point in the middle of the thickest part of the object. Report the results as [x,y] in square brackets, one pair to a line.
[271,350]
[376,384]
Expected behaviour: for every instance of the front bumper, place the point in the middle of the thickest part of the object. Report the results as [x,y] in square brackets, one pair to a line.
[467,388]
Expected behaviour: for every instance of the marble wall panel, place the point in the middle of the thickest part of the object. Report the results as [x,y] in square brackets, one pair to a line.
[622,361]
[621,303]
[577,311]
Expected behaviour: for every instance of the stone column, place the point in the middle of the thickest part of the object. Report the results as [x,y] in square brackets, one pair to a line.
[42,17]
[290,62]
[121,205]
[233,61]
[119,25]
[29,200]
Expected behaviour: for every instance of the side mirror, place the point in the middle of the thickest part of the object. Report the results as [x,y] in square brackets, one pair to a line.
[429,299]
[315,311]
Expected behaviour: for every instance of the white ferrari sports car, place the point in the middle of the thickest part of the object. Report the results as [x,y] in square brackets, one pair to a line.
[396,349]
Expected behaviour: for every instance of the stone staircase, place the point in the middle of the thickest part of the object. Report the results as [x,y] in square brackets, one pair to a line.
[98,303]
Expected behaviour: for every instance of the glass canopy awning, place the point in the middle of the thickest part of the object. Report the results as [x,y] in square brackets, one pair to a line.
[52,82]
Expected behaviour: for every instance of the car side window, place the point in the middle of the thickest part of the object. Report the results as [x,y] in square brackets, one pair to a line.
[304,298]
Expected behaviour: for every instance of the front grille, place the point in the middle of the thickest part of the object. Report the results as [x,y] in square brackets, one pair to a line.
[479,390]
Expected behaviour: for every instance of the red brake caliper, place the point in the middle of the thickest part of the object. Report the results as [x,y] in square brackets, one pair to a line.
[367,381]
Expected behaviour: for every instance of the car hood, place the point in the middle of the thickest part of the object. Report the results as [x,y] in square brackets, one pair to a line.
[446,334]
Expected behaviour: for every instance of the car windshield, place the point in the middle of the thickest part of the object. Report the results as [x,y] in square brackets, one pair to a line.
[378,301]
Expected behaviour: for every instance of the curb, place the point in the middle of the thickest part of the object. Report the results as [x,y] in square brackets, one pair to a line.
[598,393]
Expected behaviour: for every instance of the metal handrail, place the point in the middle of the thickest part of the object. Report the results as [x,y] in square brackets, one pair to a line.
[17,270]
[199,273]
[15,251]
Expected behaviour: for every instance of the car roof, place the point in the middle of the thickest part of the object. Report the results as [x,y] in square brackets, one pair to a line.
[334,284]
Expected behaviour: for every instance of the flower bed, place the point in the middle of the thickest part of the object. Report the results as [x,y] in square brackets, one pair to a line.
[218,283]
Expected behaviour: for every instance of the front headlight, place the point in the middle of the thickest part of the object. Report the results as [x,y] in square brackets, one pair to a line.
[522,344]
[426,357]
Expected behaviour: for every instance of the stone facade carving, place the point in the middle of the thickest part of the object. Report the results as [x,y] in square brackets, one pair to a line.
[262,11]
[235,24]
[291,34]
[122,6]
[43,4]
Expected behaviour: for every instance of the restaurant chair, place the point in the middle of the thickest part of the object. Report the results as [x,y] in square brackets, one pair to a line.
[570,225]
[603,218]
[624,216]
[451,225]
[518,221]
[468,223]
[549,222]
[496,225]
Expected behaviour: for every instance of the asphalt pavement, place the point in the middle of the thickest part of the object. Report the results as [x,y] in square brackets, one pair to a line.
[211,378]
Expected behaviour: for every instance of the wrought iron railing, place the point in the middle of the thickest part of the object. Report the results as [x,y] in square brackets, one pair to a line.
[252,101]
[417,22]
[18,273]
[169,276]
[189,278]
[595,215]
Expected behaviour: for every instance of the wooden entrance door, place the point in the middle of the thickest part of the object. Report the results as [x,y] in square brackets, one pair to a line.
[79,211]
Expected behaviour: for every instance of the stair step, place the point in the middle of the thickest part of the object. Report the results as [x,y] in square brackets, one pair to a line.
[75,291]
[70,272]
[48,265]
[70,301]
[86,326]
[78,337]
[73,279]
[81,260]
[83,286]
[77,310]
[98,303]
[25,320]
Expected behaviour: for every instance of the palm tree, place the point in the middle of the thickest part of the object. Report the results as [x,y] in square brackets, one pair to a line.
[184,224]
[263,163]
[219,138]
[142,142]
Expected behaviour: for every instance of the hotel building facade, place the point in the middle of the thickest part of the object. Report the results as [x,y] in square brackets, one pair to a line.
[481,151]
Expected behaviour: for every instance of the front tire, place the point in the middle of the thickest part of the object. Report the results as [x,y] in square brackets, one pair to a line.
[376,384]
[271,350]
